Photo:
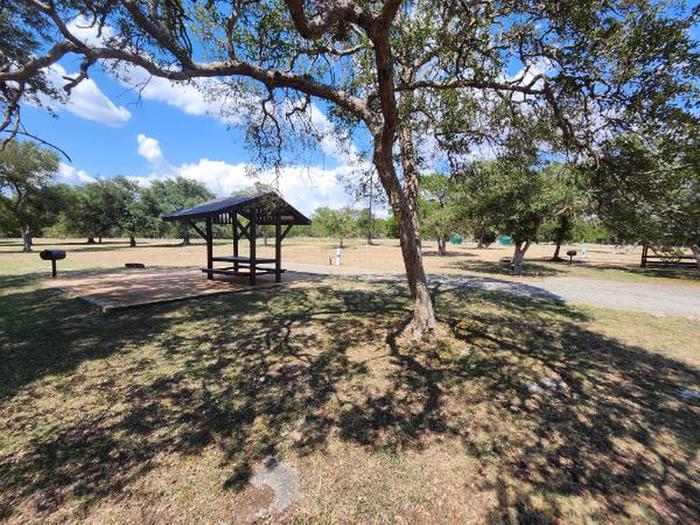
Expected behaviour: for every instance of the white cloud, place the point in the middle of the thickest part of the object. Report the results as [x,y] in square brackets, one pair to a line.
[82,28]
[149,148]
[210,97]
[306,188]
[86,99]
[71,175]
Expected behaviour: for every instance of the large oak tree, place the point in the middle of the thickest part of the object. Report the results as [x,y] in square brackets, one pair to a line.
[29,198]
[383,68]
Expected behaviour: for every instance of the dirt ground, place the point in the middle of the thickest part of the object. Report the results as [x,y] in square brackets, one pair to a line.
[385,255]
[114,291]
[300,404]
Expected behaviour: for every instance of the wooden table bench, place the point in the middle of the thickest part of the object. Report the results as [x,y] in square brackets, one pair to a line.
[242,262]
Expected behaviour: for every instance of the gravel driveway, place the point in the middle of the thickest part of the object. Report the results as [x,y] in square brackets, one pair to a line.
[653,298]
[681,300]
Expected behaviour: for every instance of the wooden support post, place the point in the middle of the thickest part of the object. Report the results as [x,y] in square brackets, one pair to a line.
[645,249]
[235,240]
[253,220]
[278,246]
[210,249]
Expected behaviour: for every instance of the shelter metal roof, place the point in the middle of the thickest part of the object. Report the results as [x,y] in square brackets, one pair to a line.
[265,206]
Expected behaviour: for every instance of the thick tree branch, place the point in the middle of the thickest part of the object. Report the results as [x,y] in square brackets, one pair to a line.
[526,89]
[332,13]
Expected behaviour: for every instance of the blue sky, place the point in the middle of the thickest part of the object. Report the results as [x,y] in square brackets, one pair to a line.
[108,130]
[170,130]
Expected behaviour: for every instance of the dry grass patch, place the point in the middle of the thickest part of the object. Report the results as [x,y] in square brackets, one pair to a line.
[531,411]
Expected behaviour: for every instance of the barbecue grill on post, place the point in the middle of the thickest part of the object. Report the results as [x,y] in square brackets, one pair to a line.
[53,256]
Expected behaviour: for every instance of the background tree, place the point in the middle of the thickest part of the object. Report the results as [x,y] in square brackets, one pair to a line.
[99,208]
[569,204]
[439,218]
[649,192]
[336,224]
[483,236]
[366,187]
[510,197]
[29,199]
[168,195]
[134,217]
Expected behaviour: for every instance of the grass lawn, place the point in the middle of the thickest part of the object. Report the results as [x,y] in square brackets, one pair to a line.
[529,412]
[603,263]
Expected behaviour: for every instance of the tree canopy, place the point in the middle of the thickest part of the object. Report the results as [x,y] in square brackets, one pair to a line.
[29,197]
[561,75]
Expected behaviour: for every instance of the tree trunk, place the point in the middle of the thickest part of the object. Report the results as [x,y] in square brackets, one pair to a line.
[186,239]
[556,257]
[480,239]
[519,255]
[423,320]
[264,232]
[403,203]
[561,231]
[442,245]
[99,239]
[423,315]
[340,245]
[411,176]
[369,218]
[91,240]
[696,253]
[132,241]
[27,240]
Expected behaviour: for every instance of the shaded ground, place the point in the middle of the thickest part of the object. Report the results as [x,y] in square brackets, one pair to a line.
[164,414]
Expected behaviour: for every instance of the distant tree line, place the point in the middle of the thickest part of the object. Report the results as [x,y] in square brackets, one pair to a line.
[346,223]
[655,200]
[32,203]
[639,193]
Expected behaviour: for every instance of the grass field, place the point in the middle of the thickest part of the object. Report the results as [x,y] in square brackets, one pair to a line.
[527,411]
[602,261]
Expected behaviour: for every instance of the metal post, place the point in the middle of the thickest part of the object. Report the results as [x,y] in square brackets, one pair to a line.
[210,249]
[253,219]
[235,241]
[53,268]
[278,246]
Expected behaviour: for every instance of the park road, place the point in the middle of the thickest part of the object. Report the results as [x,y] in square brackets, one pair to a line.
[666,299]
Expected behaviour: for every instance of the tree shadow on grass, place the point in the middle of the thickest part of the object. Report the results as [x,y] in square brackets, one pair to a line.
[692,274]
[447,255]
[530,269]
[239,372]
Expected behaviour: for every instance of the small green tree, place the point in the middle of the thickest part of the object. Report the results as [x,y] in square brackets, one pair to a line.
[29,199]
[334,223]
[168,195]
[568,205]
[101,207]
[512,198]
[134,217]
[439,219]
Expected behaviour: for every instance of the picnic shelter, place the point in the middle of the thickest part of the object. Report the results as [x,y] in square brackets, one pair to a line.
[245,213]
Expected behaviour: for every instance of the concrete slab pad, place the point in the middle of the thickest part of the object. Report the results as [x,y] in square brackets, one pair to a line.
[134,288]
